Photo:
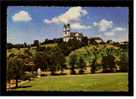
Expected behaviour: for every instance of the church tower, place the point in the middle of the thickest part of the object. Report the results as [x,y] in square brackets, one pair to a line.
[66,32]
[66,29]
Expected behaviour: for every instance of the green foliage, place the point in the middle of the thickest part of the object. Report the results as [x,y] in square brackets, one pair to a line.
[81,65]
[53,56]
[94,55]
[72,62]
[40,60]
[93,66]
[64,48]
[56,58]
[108,60]
[36,43]
[27,52]
[28,76]
[123,62]
[15,68]
[108,63]
[50,58]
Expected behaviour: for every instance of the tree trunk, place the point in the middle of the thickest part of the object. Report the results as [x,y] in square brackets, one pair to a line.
[93,70]
[52,71]
[81,71]
[16,83]
[73,70]
[62,70]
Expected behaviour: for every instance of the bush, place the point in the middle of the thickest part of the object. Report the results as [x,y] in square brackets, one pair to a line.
[28,76]
[43,74]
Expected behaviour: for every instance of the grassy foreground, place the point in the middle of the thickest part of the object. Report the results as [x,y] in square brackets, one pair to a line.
[86,82]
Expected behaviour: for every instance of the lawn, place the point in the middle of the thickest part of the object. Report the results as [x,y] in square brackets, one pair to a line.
[85,82]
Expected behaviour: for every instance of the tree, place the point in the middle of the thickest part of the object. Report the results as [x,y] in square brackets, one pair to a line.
[93,66]
[64,48]
[72,63]
[108,60]
[109,41]
[60,60]
[56,59]
[29,60]
[73,44]
[9,45]
[27,52]
[50,58]
[81,65]
[25,44]
[84,41]
[40,60]
[92,54]
[36,43]
[123,62]
[108,63]
[15,68]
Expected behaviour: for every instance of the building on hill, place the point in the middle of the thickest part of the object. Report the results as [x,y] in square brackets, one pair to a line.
[95,40]
[124,43]
[70,35]
[110,41]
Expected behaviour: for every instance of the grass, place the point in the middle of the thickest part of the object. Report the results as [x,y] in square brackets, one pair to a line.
[85,82]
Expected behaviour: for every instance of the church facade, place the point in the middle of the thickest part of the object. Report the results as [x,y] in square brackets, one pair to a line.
[70,35]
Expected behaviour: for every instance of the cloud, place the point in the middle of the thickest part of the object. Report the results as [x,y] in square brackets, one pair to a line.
[103,25]
[124,38]
[79,26]
[22,16]
[115,30]
[118,29]
[109,33]
[72,14]
[116,34]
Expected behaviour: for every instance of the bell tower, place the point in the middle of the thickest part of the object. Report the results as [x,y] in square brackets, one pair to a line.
[66,30]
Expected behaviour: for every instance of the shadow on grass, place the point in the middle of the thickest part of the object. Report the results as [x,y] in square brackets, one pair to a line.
[24,86]
[58,74]
[21,87]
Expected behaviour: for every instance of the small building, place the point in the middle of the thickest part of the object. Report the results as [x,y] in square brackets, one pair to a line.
[95,40]
[70,35]
[124,43]
[110,42]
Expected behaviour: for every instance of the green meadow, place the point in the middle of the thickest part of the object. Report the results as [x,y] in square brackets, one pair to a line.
[87,82]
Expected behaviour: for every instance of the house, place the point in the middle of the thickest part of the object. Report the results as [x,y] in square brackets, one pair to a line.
[70,35]
[95,40]
[124,43]
[110,42]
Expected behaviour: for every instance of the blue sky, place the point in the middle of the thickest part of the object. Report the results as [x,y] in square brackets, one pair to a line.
[25,24]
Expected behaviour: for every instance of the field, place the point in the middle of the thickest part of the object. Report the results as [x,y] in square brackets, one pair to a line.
[85,82]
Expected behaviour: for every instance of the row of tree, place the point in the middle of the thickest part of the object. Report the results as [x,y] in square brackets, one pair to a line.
[84,41]
[109,61]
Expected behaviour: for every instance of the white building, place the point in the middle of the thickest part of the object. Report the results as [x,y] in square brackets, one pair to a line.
[70,35]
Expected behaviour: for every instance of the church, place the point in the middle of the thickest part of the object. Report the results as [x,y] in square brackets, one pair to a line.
[70,35]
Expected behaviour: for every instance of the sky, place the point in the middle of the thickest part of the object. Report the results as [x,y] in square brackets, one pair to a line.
[27,23]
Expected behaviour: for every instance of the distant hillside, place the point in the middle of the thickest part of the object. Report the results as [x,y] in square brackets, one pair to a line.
[83,51]
[32,50]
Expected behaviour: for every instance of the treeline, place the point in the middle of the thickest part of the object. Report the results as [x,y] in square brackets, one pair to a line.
[35,43]
[84,41]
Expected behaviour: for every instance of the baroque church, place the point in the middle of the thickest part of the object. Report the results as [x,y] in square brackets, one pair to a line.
[70,35]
